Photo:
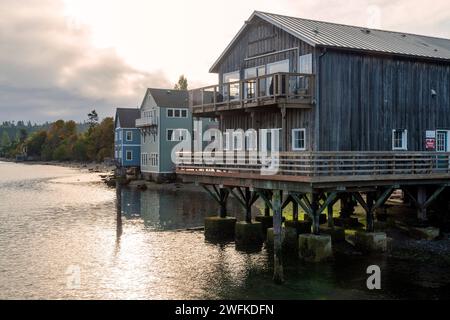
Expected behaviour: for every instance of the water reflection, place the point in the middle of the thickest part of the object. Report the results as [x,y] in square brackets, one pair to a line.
[170,210]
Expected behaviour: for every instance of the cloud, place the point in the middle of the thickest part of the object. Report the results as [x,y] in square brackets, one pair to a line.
[50,70]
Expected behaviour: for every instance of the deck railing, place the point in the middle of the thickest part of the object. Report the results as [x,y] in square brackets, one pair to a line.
[146,122]
[293,87]
[313,164]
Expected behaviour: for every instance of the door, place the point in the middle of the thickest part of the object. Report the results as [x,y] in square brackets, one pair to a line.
[442,145]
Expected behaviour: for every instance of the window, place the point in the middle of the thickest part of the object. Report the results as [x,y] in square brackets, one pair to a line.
[177,113]
[399,139]
[305,63]
[442,141]
[117,136]
[120,135]
[298,139]
[129,155]
[238,142]
[231,91]
[129,135]
[176,134]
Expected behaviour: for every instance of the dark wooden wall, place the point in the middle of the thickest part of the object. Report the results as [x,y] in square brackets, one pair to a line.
[364,97]
[261,38]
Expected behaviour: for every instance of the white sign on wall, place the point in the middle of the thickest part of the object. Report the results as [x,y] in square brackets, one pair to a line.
[430,134]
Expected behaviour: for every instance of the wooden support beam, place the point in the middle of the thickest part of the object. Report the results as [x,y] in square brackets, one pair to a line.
[266,198]
[328,200]
[315,213]
[299,199]
[220,196]
[434,196]
[286,202]
[278,276]
[294,210]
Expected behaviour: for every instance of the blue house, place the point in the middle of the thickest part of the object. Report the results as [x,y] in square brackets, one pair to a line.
[127,138]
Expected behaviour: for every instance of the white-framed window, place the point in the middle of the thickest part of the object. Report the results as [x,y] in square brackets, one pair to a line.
[299,139]
[399,139]
[129,135]
[169,113]
[238,140]
[129,155]
[184,113]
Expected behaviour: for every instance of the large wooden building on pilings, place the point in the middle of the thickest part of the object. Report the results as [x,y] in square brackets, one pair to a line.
[359,113]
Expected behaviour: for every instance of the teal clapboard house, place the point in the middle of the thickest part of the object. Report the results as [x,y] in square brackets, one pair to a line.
[127,138]
[164,112]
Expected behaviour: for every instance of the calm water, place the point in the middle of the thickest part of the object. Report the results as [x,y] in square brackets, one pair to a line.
[57,223]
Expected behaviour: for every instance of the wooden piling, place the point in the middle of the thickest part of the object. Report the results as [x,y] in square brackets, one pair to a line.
[277,238]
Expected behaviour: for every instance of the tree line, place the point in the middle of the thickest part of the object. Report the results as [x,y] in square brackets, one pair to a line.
[63,141]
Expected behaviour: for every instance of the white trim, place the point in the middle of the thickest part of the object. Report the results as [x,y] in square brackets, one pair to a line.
[129,145]
[293,139]
[404,146]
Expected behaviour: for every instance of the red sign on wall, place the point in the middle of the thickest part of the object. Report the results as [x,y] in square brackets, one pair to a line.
[430,144]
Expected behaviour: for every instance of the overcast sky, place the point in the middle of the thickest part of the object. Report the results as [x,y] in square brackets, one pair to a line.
[59,59]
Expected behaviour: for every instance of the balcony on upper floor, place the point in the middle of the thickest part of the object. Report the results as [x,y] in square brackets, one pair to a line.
[272,89]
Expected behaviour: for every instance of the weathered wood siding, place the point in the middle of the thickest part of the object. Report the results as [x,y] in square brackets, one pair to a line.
[262,38]
[364,97]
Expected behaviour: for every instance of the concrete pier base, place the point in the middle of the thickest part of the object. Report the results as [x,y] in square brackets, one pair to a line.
[300,226]
[314,248]
[248,234]
[267,222]
[371,241]
[429,233]
[337,233]
[217,228]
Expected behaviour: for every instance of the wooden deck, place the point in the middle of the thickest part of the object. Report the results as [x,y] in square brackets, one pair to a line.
[292,89]
[304,171]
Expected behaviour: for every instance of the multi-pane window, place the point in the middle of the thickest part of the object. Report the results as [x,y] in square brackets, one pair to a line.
[399,139]
[177,113]
[298,139]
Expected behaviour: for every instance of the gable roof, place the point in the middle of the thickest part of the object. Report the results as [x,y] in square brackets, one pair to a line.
[127,117]
[340,36]
[167,98]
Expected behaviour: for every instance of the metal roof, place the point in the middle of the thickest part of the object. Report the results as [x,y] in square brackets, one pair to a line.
[340,36]
[170,98]
[127,117]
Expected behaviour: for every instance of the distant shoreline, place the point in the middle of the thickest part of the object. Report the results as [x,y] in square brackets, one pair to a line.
[90,166]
